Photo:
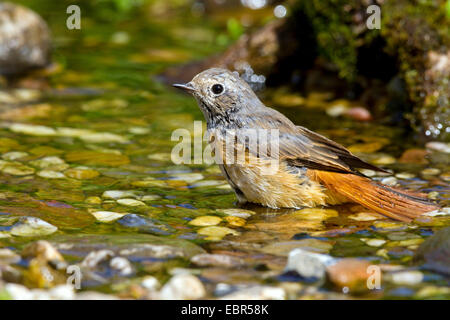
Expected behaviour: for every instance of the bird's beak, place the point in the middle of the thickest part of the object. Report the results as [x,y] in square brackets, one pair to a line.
[185,86]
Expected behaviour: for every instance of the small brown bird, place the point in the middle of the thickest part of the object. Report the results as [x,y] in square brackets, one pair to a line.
[312,170]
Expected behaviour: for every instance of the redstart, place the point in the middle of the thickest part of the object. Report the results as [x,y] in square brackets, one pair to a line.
[312,169]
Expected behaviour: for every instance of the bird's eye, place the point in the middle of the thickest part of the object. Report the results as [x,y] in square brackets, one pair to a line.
[217,88]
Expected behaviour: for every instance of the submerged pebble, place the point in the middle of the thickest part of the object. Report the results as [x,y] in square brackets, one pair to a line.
[216,260]
[14,155]
[130,202]
[182,287]
[405,277]
[50,174]
[308,264]
[205,221]
[107,216]
[257,293]
[216,233]
[15,168]
[32,227]
[241,213]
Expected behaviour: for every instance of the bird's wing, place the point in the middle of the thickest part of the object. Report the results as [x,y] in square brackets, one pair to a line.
[301,147]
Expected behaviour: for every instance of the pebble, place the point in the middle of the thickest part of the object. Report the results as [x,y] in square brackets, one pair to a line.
[240,213]
[430,171]
[14,155]
[81,173]
[235,221]
[150,197]
[150,283]
[122,265]
[205,221]
[366,216]
[32,130]
[389,181]
[32,227]
[384,160]
[20,292]
[118,194]
[316,213]
[42,250]
[438,146]
[438,212]
[130,202]
[182,287]
[107,216]
[93,200]
[47,162]
[349,273]
[207,183]
[285,247]
[15,168]
[375,242]
[103,137]
[405,175]
[50,174]
[216,233]
[257,293]
[188,177]
[430,291]
[95,257]
[405,277]
[7,256]
[216,260]
[389,226]
[308,264]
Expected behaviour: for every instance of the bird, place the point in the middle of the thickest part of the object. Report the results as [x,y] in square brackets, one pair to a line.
[311,171]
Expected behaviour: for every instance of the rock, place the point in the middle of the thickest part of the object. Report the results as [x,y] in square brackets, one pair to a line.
[366,216]
[42,250]
[47,162]
[81,174]
[32,227]
[383,226]
[349,272]
[119,194]
[430,171]
[235,221]
[257,293]
[216,233]
[375,242]
[435,252]
[383,160]
[107,216]
[284,248]
[93,200]
[217,260]
[316,213]
[188,177]
[438,146]
[122,265]
[308,264]
[130,202]
[405,277]
[7,256]
[432,291]
[390,181]
[145,224]
[241,213]
[358,113]
[205,221]
[25,39]
[150,283]
[14,155]
[50,174]
[15,168]
[417,156]
[92,295]
[96,257]
[182,287]
[439,212]
[405,175]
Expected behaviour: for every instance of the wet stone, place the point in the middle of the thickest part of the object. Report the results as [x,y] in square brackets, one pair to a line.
[81,174]
[50,174]
[216,233]
[130,202]
[308,264]
[42,250]
[15,168]
[204,221]
[235,221]
[107,216]
[383,226]
[119,194]
[241,213]
[349,273]
[411,278]
[182,287]
[257,293]
[7,256]
[145,224]
[32,227]
[14,155]
[430,172]
[217,260]
[284,248]
[366,216]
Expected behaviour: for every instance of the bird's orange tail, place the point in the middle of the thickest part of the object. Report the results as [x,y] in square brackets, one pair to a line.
[393,203]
